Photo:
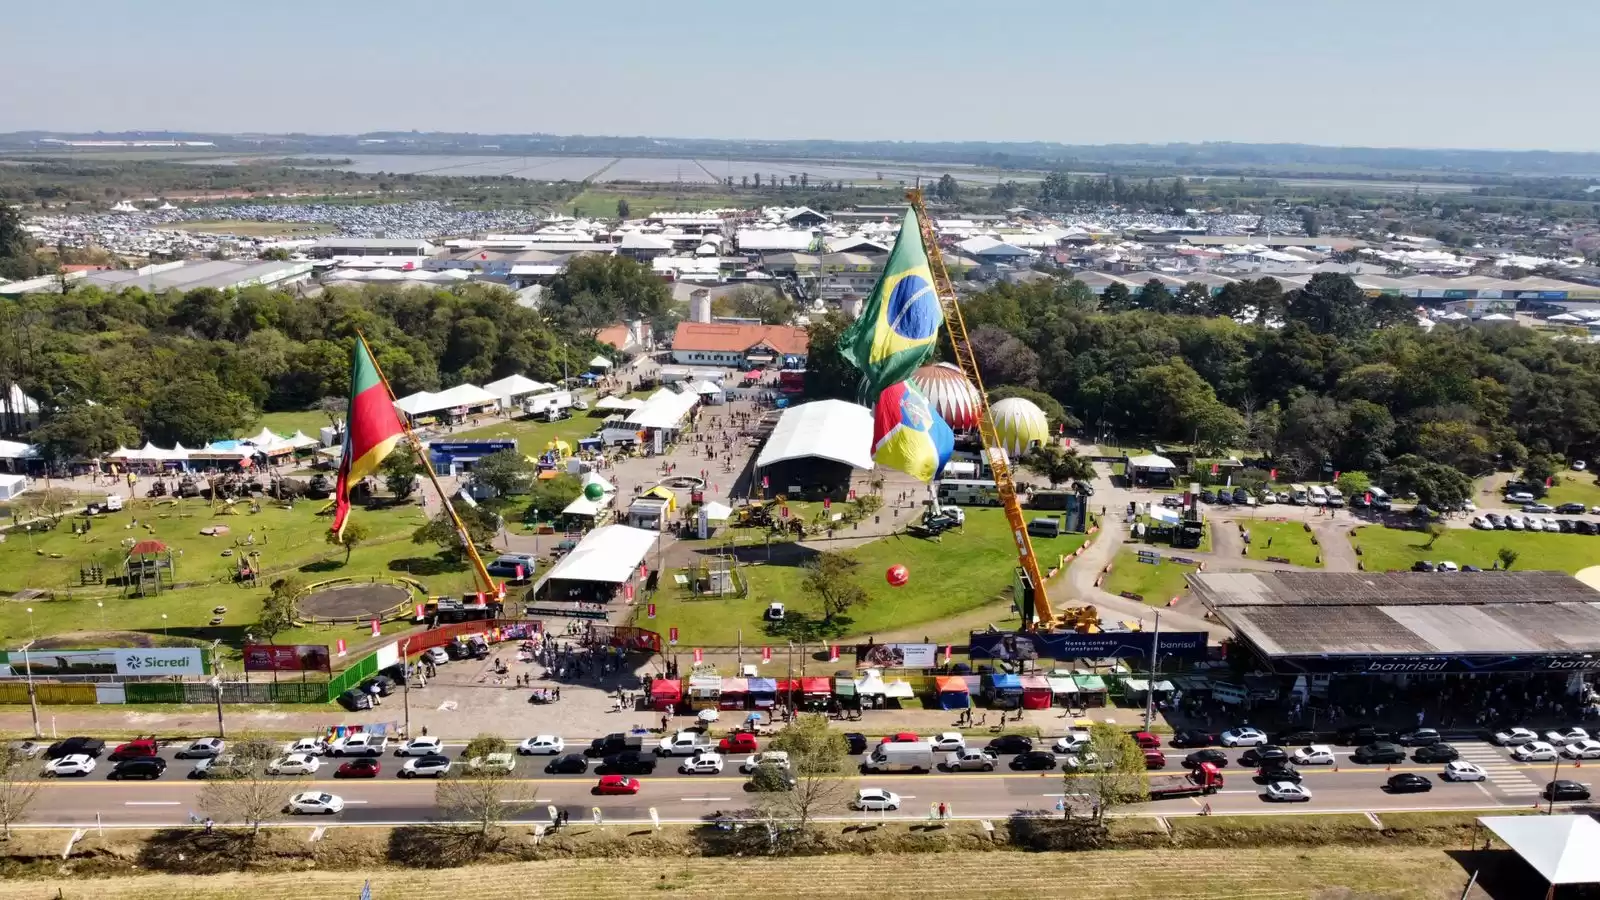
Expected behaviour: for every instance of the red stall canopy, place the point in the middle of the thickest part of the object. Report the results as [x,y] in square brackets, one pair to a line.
[1035,692]
[816,686]
[663,692]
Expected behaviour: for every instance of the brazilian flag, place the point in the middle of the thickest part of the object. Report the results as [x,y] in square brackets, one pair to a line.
[900,320]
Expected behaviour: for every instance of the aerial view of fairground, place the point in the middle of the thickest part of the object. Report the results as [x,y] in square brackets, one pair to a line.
[978,501]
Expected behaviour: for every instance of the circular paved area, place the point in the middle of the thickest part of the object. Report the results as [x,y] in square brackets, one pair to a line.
[347,600]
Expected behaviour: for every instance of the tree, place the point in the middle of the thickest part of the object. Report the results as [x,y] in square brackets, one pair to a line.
[400,470]
[1330,303]
[1058,465]
[16,246]
[767,305]
[350,538]
[830,580]
[1353,484]
[1154,297]
[238,788]
[275,254]
[595,291]
[278,609]
[1115,778]
[1309,223]
[819,761]
[1454,443]
[947,189]
[481,524]
[1539,473]
[1192,299]
[482,798]
[622,207]
[1436,485]
[1507,557]
[548,496]
[18,786]
[195,410]
[1115,298]
[1436,530]
[507,472]
[83,432]
[828,375]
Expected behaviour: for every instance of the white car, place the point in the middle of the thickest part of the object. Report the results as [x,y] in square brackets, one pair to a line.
[425,767]
[1083,762]
[1536,751]
[422,746]
[1446,566]
[777,758]
[875,799]
[1588,749]
[965,760]
[74,764]
[1460,770]
[205,748]
[949,741]
[1314,755]
[438,655]
[1550,525]
[314,803]
[1513,737]
[310,746]
[1579,465]
[1571,735]
[1071,743]
[1514,523]
[1287,792]
[1482,524]
[493,764]
[702,764]
[542,745]
[294,764]
[1244,737]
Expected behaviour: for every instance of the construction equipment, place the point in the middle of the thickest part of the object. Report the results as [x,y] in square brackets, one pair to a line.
[1033,579]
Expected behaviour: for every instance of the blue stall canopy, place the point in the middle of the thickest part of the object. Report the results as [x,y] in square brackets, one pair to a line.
[952,692]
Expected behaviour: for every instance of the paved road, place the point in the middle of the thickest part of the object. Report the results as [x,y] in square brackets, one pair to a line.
[1347,787]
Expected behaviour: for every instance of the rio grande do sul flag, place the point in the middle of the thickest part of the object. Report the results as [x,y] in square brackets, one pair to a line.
[372,429]
[900,320]
[909,434]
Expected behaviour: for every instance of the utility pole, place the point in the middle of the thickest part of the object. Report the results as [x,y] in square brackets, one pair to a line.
[33,700]
[216,685]
[1554,776]
[405,675]
[1150,689]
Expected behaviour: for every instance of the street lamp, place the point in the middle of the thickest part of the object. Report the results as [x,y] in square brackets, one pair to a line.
[1554,776]
[163,624]
[405,678]
[32,635]
[102,605]
[33,700]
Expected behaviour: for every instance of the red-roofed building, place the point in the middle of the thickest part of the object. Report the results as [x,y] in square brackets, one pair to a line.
[720,344]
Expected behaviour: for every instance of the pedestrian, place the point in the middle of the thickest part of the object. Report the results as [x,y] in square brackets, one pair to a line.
[941,809]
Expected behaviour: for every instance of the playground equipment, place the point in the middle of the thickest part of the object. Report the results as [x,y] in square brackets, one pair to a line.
[148,569]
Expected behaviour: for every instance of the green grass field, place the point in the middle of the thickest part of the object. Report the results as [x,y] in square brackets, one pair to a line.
[287,422]
[1383,549]
[1288,540]
[532,434]
[1157,583]
[963,572]
[1575,487]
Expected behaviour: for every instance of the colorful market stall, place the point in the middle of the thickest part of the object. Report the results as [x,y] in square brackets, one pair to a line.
[844,691]
[1003,691]
[664,693]
[815,692]
[870,689]
[897,692]
[1063,690]
[705,691]
[1091,690]
[952,692]
[735,693]
[763,693]
[1035,692]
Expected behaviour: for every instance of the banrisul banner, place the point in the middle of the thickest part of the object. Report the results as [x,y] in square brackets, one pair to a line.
[1071,645]
[134,661]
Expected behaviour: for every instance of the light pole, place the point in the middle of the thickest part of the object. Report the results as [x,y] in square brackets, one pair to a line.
[1150,689]
[405,677]
[1554,776]
[163,624]
[216,684]
[33,700]
[102,605]
[32,634]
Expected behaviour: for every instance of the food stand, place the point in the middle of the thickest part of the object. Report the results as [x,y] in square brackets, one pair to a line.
[1003,691]
[815,692]
[665,692]
[1091,690]
[952,692]
[763,693]
[1063,690]
[705,691]
[1035,692]
[735,693]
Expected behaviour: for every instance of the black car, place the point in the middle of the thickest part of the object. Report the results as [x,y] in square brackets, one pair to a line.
[1356,735]
[1379,752]
[1207,497]
[1011,743]
[1034,759]
[1224,498]
[1271,774]
[1565,790]
[1215,757]
[1436,753]
[1263,755]
[1295,738]
[631,762]
[1422,565]
[355,700]
[570,764]
[1407,783]
[1584,526]
[1240,495]
[857,741]
[86,746]
[384,685]
[1564,526]
[1084,488]
[145,767]
[1571,509]
[1422,737]
[1190,737]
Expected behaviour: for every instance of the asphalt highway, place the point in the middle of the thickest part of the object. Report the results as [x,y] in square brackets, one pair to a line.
[387,799]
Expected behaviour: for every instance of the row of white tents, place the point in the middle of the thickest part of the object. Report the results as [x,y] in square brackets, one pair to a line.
[503,392]
[222,451]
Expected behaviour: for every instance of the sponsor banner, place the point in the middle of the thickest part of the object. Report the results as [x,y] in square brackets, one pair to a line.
[1400,665]
[124,661]
[470,448]
[1071,645]
[287,658]
[897,656]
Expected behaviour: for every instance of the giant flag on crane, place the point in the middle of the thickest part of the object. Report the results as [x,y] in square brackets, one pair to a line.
[896,331]
[372,429]
[908,434]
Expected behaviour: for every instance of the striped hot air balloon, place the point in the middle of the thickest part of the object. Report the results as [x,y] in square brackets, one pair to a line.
[1020,424]
[950,393]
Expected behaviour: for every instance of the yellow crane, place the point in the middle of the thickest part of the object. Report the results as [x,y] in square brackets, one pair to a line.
[999,463]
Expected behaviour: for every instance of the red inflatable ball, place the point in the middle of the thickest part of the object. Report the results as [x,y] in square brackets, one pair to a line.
[898,575]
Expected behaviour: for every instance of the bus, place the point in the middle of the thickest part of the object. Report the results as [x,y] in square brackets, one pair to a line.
[968,492]
[1298,495]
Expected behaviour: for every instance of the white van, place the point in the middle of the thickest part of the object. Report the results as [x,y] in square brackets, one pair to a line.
[1298,495]
[1380,498]
[1319,497]
[1335,499]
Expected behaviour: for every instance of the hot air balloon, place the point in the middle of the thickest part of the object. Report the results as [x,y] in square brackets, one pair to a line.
[1020,424]
[897,575]
[950,394]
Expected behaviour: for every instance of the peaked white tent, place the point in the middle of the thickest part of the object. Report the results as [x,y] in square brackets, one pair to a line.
[1562,849]
[301,441]
[717,512]
[515,386]
[423,402]
[599,362]
[16,450]
[582,506]
[596,478]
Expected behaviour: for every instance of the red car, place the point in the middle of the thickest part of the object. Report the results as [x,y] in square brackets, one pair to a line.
[138,748]
[365,767]
[904,737]
[1146,740]
[617,784]
[1155,759]
[738,742]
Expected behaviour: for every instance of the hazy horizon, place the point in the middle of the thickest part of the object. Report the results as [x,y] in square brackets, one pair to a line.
[1419,75]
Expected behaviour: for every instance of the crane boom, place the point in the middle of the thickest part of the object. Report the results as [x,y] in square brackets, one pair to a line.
[1044,616]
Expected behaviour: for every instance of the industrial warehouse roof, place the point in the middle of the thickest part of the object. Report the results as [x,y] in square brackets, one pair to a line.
[1406,613]
[730,338]
[826,429]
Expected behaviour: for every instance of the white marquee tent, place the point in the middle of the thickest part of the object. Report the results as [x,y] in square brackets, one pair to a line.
[828,429]
[599,362]
[1562,849]
[664,409]
[610,553]
[462,395]
[513,386]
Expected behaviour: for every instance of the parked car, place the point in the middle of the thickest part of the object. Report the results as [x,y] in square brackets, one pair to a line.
[1243,737]
[1562,789]
[1407,783]
[149,767]
[205,748]
[1379,752]
[1565,736]
[365,767]
[506,565]
[313,803]
[359,744]
[1422,737]
[1534,751]
[1356,735]
[570,764]
[72,746]
[1145,740]
[1512,737]
[542,745]
[437,655]
[434,766]
[856,741]
[1589,749]
[355,700]
[1313,755]
[1190,737]
[1572,509]
[1295,738]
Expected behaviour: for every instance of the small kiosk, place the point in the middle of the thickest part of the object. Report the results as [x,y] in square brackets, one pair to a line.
[763,693]
[871,690]
[1035,692]
[844,691]
[1091,690]
[952,691]
[735,693]
[705,691]
[665,692]
[1003,691]
[1063,690]
[815,692]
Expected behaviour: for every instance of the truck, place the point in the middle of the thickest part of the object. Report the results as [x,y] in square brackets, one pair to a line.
[1197,782]
[549,406]
[613,743]
[909,756]
[684,743]
[361,743]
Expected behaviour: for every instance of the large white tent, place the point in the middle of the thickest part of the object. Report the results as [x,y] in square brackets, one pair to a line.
[599,362]
[627,403]
[664,409]
[1562,849]
[16,450]
[462,395]
[828,429]
[582,506]
[513,386]
[610,553]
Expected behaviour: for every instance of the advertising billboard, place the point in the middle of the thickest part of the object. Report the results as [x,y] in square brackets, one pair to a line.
[121,661]
[287,658]
[897,656]
[1072,645]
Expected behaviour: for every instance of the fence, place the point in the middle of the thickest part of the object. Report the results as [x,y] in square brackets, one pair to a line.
[232,692]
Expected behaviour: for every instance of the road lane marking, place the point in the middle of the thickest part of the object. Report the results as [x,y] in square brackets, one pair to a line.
[151,803]
[348,802]
[705,799]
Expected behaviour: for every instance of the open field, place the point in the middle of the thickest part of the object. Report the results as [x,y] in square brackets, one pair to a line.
[1575,487]
[1156,583]
[1384,549]
[532,434]
[287,422]
[257,229]
[965,571]
[603,204]
[1285,540]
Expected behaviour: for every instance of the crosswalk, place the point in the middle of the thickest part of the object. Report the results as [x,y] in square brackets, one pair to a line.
[1511,780]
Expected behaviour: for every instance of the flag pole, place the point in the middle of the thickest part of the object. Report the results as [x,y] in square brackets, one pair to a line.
[485,583]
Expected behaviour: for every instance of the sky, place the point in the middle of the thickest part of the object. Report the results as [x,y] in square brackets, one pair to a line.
[1389,73]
